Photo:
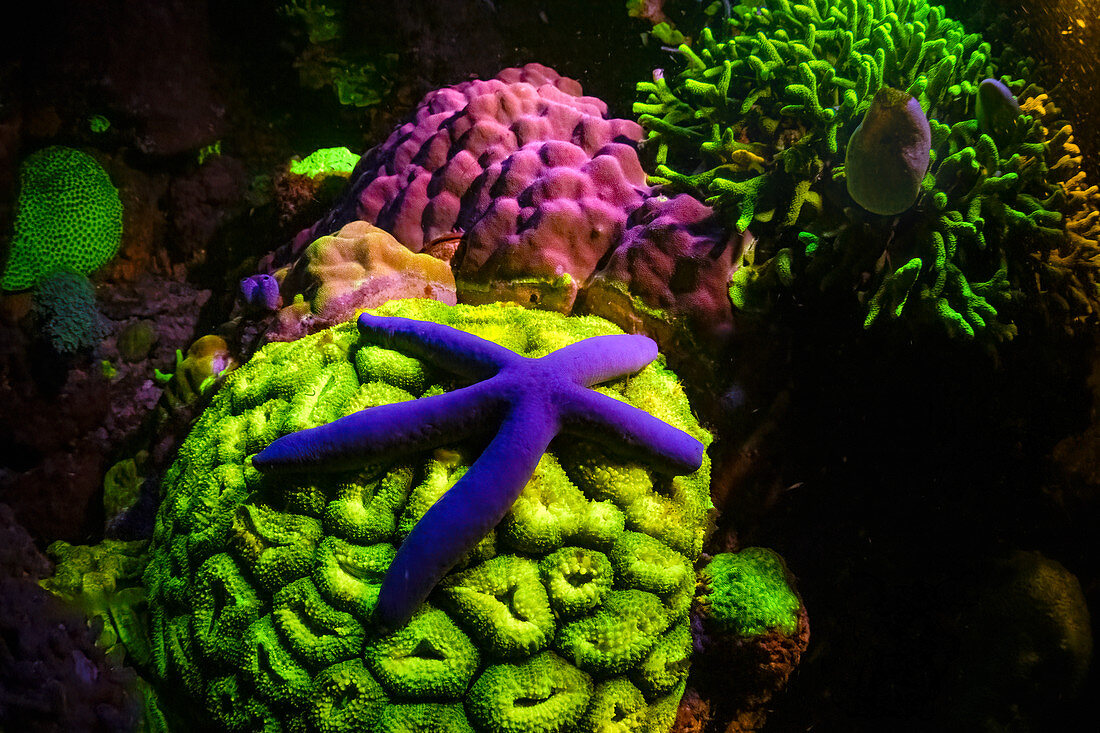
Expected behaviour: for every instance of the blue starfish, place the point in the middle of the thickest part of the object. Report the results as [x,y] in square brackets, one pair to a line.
[527,401]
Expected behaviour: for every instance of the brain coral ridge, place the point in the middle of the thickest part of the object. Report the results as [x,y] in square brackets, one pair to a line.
[758,121]
[570,616]
[544,190]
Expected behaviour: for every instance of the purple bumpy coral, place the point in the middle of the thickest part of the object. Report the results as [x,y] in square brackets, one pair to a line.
[545,191]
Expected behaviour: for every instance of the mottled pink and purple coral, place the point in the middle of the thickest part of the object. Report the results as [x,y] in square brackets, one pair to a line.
[549,197]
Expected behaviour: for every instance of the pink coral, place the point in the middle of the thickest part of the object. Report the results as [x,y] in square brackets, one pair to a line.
[549,198]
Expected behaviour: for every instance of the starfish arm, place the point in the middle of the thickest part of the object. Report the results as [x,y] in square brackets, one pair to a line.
[600,358]
[628,431]
[465,514]
[385,432]
[448,348]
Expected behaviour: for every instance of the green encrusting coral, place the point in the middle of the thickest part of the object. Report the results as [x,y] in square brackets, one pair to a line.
[758,124]
[748,593]
[571,616]
[68,217]
[324,162]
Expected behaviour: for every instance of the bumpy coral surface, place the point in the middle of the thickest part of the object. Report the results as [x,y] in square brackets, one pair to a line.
[570,615]
[543,189]
[69,217]
[64,306]
[360,266]
[759,122]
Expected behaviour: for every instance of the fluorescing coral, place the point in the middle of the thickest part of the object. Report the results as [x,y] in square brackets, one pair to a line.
[68,216]
[207,359]
[748,592]
[526,402]
[324,162]
[360,266]
[104,582]
[528,189]
[359,79]
[262,587]
[761,118]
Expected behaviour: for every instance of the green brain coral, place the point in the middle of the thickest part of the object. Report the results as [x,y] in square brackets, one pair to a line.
[758,124]
[571,615]
[69,216]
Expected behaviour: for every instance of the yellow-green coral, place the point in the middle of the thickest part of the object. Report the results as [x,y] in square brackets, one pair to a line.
[68,216]
[104,582]
[257,582]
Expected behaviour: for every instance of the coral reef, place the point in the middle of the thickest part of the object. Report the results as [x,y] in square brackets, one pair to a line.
[753,629]
[1027,643]
[261,588]
[69,217]
[207,359]
[104,582]
[539,188]
[52,675]
[759,123]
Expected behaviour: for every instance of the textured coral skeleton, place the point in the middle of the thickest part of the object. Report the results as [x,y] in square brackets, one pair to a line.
[527,401]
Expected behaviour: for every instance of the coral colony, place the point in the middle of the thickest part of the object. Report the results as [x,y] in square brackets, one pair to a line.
[264,588]
[436,471]
[527,401]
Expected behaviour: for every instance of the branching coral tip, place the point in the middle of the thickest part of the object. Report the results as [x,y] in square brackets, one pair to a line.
[527,401]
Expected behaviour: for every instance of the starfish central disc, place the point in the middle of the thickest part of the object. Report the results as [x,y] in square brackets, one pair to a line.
[528,401]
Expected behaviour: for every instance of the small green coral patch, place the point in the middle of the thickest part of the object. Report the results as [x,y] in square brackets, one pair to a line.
[748,593]
[430,657]
[326,161]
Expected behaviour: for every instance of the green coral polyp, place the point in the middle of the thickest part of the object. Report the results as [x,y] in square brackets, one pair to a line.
[577,580]
[261,589]
[765,109]
[429,658]
[504,603]
[545,694]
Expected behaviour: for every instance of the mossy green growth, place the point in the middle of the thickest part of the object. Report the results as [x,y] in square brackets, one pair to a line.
[104,581]
[325,162]
[747,593]
[259,582]
[68,216]
[757,122]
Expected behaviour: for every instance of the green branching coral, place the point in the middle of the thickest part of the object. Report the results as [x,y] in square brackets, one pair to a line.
[570,616]
[68,216]
[758,124]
